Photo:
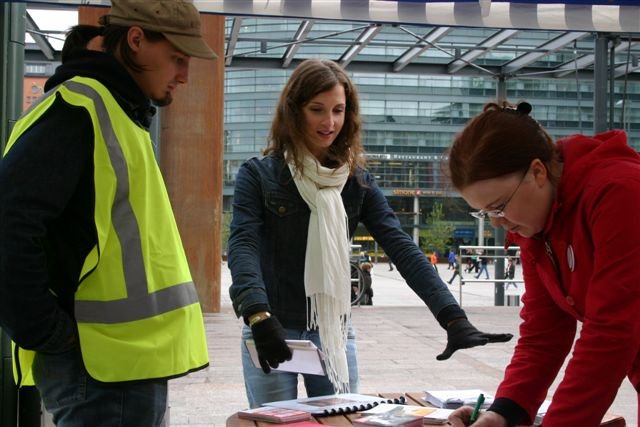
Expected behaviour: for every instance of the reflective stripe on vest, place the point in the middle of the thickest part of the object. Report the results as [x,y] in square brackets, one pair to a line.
[139,303]
[136,306]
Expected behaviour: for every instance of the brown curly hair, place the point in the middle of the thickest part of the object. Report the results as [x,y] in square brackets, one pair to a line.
[310,78]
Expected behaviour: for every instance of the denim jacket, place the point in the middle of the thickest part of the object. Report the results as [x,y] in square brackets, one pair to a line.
[268,241]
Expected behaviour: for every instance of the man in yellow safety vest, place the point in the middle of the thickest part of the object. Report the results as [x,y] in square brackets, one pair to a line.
[95,289]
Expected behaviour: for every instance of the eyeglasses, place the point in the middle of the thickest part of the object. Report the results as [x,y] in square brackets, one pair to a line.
[498,212]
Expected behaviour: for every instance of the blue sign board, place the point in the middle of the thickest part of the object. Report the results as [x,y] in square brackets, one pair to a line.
[464,233]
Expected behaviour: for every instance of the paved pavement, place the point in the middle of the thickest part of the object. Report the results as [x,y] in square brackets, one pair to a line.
[398,340]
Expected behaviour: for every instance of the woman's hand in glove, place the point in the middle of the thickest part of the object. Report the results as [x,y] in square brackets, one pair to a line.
[462,334]
[269,337]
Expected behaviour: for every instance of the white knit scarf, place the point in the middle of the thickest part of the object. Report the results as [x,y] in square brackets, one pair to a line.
[327,273]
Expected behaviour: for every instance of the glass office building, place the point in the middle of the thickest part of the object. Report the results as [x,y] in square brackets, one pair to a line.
[411,117]
[418,86]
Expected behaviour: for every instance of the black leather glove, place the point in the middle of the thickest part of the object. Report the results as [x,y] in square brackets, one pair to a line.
[269,337]
[462,334]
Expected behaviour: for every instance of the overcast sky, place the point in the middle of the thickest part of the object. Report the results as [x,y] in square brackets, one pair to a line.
[53,20]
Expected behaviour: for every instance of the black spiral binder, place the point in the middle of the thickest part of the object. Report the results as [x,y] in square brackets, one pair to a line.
[362,407]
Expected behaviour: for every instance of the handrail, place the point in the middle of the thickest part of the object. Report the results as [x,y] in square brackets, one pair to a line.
[511,248]
[472,252]
[464,281]
[489,256]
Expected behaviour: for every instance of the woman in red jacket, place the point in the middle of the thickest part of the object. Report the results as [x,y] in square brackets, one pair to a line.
[572,207]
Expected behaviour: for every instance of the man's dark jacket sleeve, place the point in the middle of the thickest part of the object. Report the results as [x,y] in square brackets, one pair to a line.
[46,209]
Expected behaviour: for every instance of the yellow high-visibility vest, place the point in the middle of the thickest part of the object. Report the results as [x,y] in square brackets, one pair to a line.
[136,306]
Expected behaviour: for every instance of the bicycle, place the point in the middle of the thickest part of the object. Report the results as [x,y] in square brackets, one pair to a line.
[358,285]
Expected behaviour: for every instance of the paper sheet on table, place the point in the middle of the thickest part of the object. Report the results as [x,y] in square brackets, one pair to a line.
[431,415]
[306,358]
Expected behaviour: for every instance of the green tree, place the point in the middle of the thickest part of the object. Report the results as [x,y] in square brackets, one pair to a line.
[224,232]
[437,235]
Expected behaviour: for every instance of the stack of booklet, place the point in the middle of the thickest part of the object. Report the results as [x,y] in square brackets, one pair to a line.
[274,415]
[452,399]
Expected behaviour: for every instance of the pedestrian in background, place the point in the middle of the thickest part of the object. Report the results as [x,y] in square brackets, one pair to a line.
[572,207]
[451,259]
[473,263]
[484,267]
[456,270]
[367,297]
[433,258]
[289,243]
[95,289]
[510,273]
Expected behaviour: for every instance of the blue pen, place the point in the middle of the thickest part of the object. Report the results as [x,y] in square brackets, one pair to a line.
[476,410]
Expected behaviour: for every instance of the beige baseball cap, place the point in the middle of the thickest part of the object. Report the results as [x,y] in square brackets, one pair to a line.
[177,20]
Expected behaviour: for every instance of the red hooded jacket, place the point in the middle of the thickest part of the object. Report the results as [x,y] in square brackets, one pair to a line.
[584,267]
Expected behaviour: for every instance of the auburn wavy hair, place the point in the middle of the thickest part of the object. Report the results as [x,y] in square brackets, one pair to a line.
[310,78]
[501,140]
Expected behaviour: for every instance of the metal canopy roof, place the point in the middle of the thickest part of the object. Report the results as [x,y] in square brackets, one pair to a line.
[439,50]
[386,46]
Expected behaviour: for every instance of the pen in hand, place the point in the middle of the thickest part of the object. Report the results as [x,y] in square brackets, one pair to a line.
[476,410]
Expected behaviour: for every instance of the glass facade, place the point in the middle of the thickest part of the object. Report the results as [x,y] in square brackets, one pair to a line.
[410,119]
[418,86]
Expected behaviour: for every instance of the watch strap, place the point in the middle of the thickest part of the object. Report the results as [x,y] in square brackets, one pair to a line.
[258,317]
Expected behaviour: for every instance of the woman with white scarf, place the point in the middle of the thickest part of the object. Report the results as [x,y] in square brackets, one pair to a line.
[294,212]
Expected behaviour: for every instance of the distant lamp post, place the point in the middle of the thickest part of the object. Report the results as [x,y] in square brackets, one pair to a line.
[625,114]
[416,217]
